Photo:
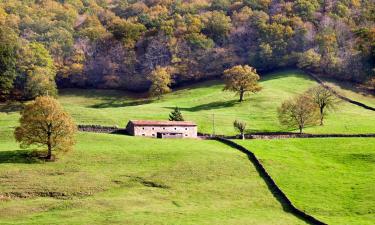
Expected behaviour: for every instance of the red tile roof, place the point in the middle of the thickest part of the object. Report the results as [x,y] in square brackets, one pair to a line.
[161,123]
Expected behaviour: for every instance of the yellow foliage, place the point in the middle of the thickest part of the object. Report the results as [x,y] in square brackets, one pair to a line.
[44,123]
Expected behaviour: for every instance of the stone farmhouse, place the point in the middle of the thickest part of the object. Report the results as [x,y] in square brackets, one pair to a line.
[162,129]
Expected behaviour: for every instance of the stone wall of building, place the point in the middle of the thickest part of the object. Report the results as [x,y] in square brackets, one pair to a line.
[151,131]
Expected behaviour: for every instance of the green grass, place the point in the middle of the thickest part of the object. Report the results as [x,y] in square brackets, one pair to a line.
[199,102]
[332,179]
[109,179]
[351,91]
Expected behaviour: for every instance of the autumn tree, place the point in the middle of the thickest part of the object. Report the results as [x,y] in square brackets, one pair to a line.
[8,59]
[298,112]
[240,126]
[38,69]
[161,80]
[309,60]
[217,26]
[126,31]
[44,123]
[324,98]
[241,79]
[176,115]
[371,83]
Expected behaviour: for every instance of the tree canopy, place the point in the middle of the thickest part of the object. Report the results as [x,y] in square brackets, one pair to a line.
[115,44]
[299,112]
[44,123]
[241,79]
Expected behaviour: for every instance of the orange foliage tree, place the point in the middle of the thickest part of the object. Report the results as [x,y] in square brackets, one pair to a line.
[43,122]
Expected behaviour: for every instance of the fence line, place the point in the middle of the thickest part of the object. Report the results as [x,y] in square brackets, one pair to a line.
[278,193]
[317,79]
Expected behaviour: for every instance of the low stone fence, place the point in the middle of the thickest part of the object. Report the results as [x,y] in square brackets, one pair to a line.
[339,95]
[101,129]
[297,135]
[277,192]
[283,135]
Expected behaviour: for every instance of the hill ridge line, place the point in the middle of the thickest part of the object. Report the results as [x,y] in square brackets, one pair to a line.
[275,190]
[357,103]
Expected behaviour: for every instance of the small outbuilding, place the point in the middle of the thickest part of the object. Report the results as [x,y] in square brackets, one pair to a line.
[162,129]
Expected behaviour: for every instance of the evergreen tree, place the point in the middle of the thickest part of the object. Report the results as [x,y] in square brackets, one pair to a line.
[176,115]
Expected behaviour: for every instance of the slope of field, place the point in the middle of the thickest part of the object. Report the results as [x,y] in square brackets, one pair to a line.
[113,179]
[357,94]
[332,179]
[199,103]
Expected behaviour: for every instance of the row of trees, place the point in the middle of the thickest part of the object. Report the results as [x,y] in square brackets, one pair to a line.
[239,79]
[27,69]
[117,44]
[309,108]
[306,109]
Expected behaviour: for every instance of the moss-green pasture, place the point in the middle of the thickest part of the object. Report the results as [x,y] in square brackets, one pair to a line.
[200,102]
[332,179]
[113,179]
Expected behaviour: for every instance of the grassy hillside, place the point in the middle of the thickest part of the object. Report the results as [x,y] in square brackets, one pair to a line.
[346,89]
[332,179]
[199,102]
[112,179]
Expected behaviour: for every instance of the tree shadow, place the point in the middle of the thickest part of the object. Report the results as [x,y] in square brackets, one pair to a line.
[117,104]
[19,156]
[279,74]
[209,106]
[11,106]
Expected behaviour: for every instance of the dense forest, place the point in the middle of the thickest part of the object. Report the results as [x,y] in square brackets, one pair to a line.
[45,44]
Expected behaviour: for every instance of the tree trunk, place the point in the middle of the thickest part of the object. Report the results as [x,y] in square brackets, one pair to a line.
[49,143]
[49,153]
[321,116]
[241,96]
[243,136]
[300,130]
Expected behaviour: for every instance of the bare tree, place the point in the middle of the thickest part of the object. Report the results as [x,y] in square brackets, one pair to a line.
[240,126]
[298,112]
[324,98]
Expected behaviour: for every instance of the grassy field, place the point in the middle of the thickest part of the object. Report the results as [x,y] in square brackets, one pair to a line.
[332,179]
[113,179]
[199,102]
[346,89]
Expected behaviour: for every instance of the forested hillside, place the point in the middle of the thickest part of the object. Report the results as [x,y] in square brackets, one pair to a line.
[117,43]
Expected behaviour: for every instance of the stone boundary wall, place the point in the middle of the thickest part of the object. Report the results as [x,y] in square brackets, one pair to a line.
[279,194]
[283,135]
[317,79]
[101,129]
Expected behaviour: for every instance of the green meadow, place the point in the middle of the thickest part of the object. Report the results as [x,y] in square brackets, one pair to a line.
[115,179]
[332,179]
[205,101]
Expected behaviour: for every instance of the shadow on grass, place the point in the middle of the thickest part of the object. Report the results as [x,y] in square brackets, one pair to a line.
[10,107]
[209,106]
[19,156]
[118,104]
